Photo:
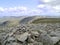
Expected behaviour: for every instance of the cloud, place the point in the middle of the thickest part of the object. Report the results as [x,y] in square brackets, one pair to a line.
[11,9]
[1,9]
[45,7]
[34,12]
[17,9]
[57,8]
[41,6]
[20,10]
[51,2]
[46,1]
[49,7]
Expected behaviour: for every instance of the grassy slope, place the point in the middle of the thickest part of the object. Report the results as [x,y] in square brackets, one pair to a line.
[46,20]
[12,22]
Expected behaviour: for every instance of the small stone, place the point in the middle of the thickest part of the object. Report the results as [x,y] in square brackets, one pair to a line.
[34,33]
[30,40]
[11,39]
[30,44]
[40,43]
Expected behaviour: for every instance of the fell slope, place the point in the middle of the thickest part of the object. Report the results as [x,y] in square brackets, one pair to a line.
[46,20]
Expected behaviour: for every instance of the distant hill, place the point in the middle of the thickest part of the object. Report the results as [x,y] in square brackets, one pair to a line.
[4,23]
[9,21]
[14,21]
[27,19]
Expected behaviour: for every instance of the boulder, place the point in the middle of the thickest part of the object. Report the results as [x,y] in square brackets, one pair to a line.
[55,39]
[23,37]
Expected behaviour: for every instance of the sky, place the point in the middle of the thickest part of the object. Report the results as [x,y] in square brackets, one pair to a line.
[29,7]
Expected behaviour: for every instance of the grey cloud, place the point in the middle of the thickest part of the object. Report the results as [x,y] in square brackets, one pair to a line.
[53,3]
[50,2]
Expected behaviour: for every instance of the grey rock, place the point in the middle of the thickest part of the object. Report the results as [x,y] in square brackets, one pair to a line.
[45,38]
[30,40]
[22,37]
[55,39]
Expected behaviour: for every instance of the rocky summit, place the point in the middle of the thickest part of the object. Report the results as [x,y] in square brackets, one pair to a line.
[32,34]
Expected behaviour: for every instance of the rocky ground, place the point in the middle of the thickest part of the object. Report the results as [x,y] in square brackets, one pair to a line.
[32,34]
